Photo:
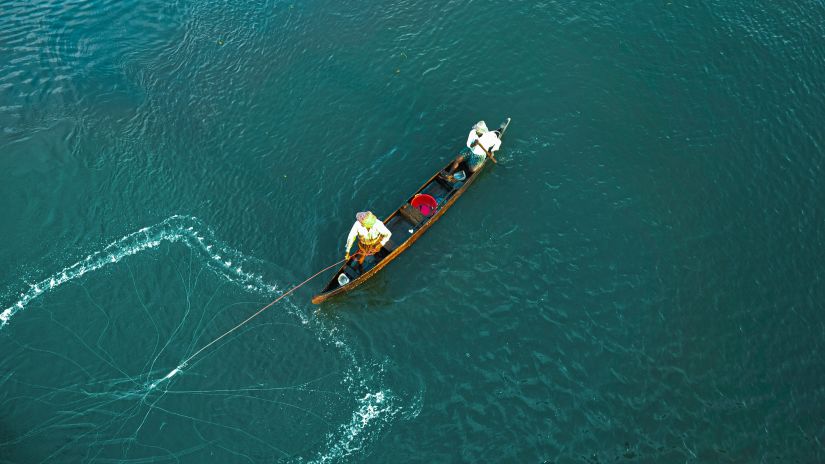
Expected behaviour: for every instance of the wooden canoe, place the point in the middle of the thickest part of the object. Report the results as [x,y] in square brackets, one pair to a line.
[406,224]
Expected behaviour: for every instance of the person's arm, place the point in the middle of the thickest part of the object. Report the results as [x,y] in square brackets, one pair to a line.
[489,153]
[496,143]
[350,239]
[385,233]
[472,139]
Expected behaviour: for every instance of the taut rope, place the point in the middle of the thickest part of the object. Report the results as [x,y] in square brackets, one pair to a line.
[186,361]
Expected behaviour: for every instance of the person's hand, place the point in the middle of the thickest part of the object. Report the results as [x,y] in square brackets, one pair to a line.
[346,256]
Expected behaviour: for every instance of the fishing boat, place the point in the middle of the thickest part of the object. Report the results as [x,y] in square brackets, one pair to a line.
[407,224]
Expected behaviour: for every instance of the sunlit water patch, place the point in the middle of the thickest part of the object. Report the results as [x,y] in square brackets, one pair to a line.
[85,348]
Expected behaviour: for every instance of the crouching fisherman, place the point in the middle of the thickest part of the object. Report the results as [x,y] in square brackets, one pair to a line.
[482,143]
[372,235]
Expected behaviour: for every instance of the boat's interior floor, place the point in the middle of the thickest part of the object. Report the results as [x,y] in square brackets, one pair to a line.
[404,224]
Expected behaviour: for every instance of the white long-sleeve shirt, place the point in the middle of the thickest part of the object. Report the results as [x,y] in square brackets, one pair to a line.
[372,233]
[489,140]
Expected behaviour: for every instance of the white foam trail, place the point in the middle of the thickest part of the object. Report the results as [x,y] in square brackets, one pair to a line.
[375,408]
[183,229]
[352,436]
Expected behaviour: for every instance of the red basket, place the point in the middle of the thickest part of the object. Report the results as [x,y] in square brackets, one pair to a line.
[424,203]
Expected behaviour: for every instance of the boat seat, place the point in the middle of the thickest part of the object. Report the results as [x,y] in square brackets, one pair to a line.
[446,183]
[412,214]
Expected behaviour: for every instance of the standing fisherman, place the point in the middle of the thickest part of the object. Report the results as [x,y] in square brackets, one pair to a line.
[372,235]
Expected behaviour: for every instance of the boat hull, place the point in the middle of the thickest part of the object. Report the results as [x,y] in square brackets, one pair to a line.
[406,223]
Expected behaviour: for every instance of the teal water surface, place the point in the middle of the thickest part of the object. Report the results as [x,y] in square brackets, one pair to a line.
[639,279]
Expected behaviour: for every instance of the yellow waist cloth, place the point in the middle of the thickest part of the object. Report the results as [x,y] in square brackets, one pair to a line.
[369,247]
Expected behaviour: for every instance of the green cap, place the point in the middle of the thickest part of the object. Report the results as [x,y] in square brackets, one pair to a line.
[367,219]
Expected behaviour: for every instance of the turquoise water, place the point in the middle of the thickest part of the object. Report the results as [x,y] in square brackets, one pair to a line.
[639,279]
